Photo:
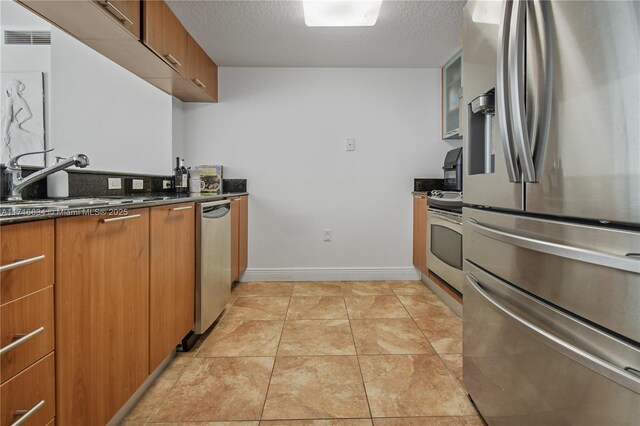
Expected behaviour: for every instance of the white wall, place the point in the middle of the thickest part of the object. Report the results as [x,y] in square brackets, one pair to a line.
[27,58]
[284,129]
[177,129]
[102,110]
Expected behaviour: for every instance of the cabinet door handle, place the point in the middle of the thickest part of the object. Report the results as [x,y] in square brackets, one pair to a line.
[21,262]
[199,83]
[177,209]
[25,414]
[119,219]
[173,59]
[21,338]
[115,12]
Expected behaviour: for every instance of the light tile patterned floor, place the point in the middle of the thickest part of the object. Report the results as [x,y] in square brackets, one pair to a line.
[376,353]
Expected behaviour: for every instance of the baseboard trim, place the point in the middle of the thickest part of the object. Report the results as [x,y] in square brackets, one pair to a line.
[330,274]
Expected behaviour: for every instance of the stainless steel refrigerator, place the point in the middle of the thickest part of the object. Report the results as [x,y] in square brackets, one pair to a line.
[552,223]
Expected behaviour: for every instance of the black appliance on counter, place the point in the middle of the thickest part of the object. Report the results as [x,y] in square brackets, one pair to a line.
[453,170]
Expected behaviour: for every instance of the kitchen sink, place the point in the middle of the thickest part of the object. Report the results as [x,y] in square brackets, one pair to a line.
[35,207]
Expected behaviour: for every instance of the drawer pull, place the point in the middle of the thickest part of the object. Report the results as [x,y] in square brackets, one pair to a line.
[177,209]
[119,219]
[199,83]
[173,59]
[25,414]
[21,262]
[115,12]
[21,338]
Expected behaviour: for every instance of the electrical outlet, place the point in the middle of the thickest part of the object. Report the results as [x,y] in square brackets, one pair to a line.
[137,184]
[115,183]
[326,234]
[166,184]
[350,144]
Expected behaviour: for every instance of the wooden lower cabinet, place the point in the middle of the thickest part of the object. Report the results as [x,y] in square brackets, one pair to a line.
[102,314]
[235,239]
[243,236]
[26,391]
[21,317]
[420,233]
[239,236]
[171,292]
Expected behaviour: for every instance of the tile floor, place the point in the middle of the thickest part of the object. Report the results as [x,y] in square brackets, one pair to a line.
[383,353]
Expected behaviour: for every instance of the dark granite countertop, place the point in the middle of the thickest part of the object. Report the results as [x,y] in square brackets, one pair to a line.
[110,208]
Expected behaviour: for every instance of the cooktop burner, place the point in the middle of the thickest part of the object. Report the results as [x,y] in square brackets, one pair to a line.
[446,200]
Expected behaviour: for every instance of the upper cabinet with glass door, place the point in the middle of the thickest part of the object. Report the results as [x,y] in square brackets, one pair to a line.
[451,97]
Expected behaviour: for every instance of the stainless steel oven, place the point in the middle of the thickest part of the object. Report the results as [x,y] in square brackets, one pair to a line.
[445,246]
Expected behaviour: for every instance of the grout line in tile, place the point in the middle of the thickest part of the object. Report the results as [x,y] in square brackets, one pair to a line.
[434,350]
[364,386]
[166,395]
[275,358]
[419,329]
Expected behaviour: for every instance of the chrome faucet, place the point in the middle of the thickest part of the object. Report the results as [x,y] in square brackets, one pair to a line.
[14,172]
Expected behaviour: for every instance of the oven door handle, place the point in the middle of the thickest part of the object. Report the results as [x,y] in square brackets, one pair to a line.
[445,217]
[592,362]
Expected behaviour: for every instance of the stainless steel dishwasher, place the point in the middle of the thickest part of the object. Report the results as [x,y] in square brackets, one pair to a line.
[213,262]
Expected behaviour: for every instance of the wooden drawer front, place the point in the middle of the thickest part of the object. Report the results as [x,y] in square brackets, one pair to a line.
[25,242]
[125,12]
[26,390]
[20,318]
[165,35]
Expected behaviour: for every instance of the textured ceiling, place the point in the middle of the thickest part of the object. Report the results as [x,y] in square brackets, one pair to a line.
[273,34]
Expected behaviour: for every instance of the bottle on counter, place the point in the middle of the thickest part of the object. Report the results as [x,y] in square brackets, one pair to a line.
[185,176]
[178,179]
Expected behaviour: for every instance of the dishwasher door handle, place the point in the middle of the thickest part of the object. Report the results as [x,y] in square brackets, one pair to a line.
[216,211]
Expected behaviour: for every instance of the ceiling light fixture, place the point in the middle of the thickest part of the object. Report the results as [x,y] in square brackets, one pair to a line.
[341,13]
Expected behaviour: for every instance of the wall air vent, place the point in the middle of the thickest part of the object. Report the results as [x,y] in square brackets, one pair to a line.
[38,38]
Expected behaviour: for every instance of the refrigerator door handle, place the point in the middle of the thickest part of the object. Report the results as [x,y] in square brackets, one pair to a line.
[623,263]
[516,89]
[538,12]
[612,372]
[502,96]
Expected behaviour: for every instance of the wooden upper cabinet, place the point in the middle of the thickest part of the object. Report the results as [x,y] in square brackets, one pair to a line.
[101,314]
[420,233]
[172,278]
[201,70]
[143,36]
[165,35]
[124,12]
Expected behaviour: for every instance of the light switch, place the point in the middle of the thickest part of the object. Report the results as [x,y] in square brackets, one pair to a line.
[351,144]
